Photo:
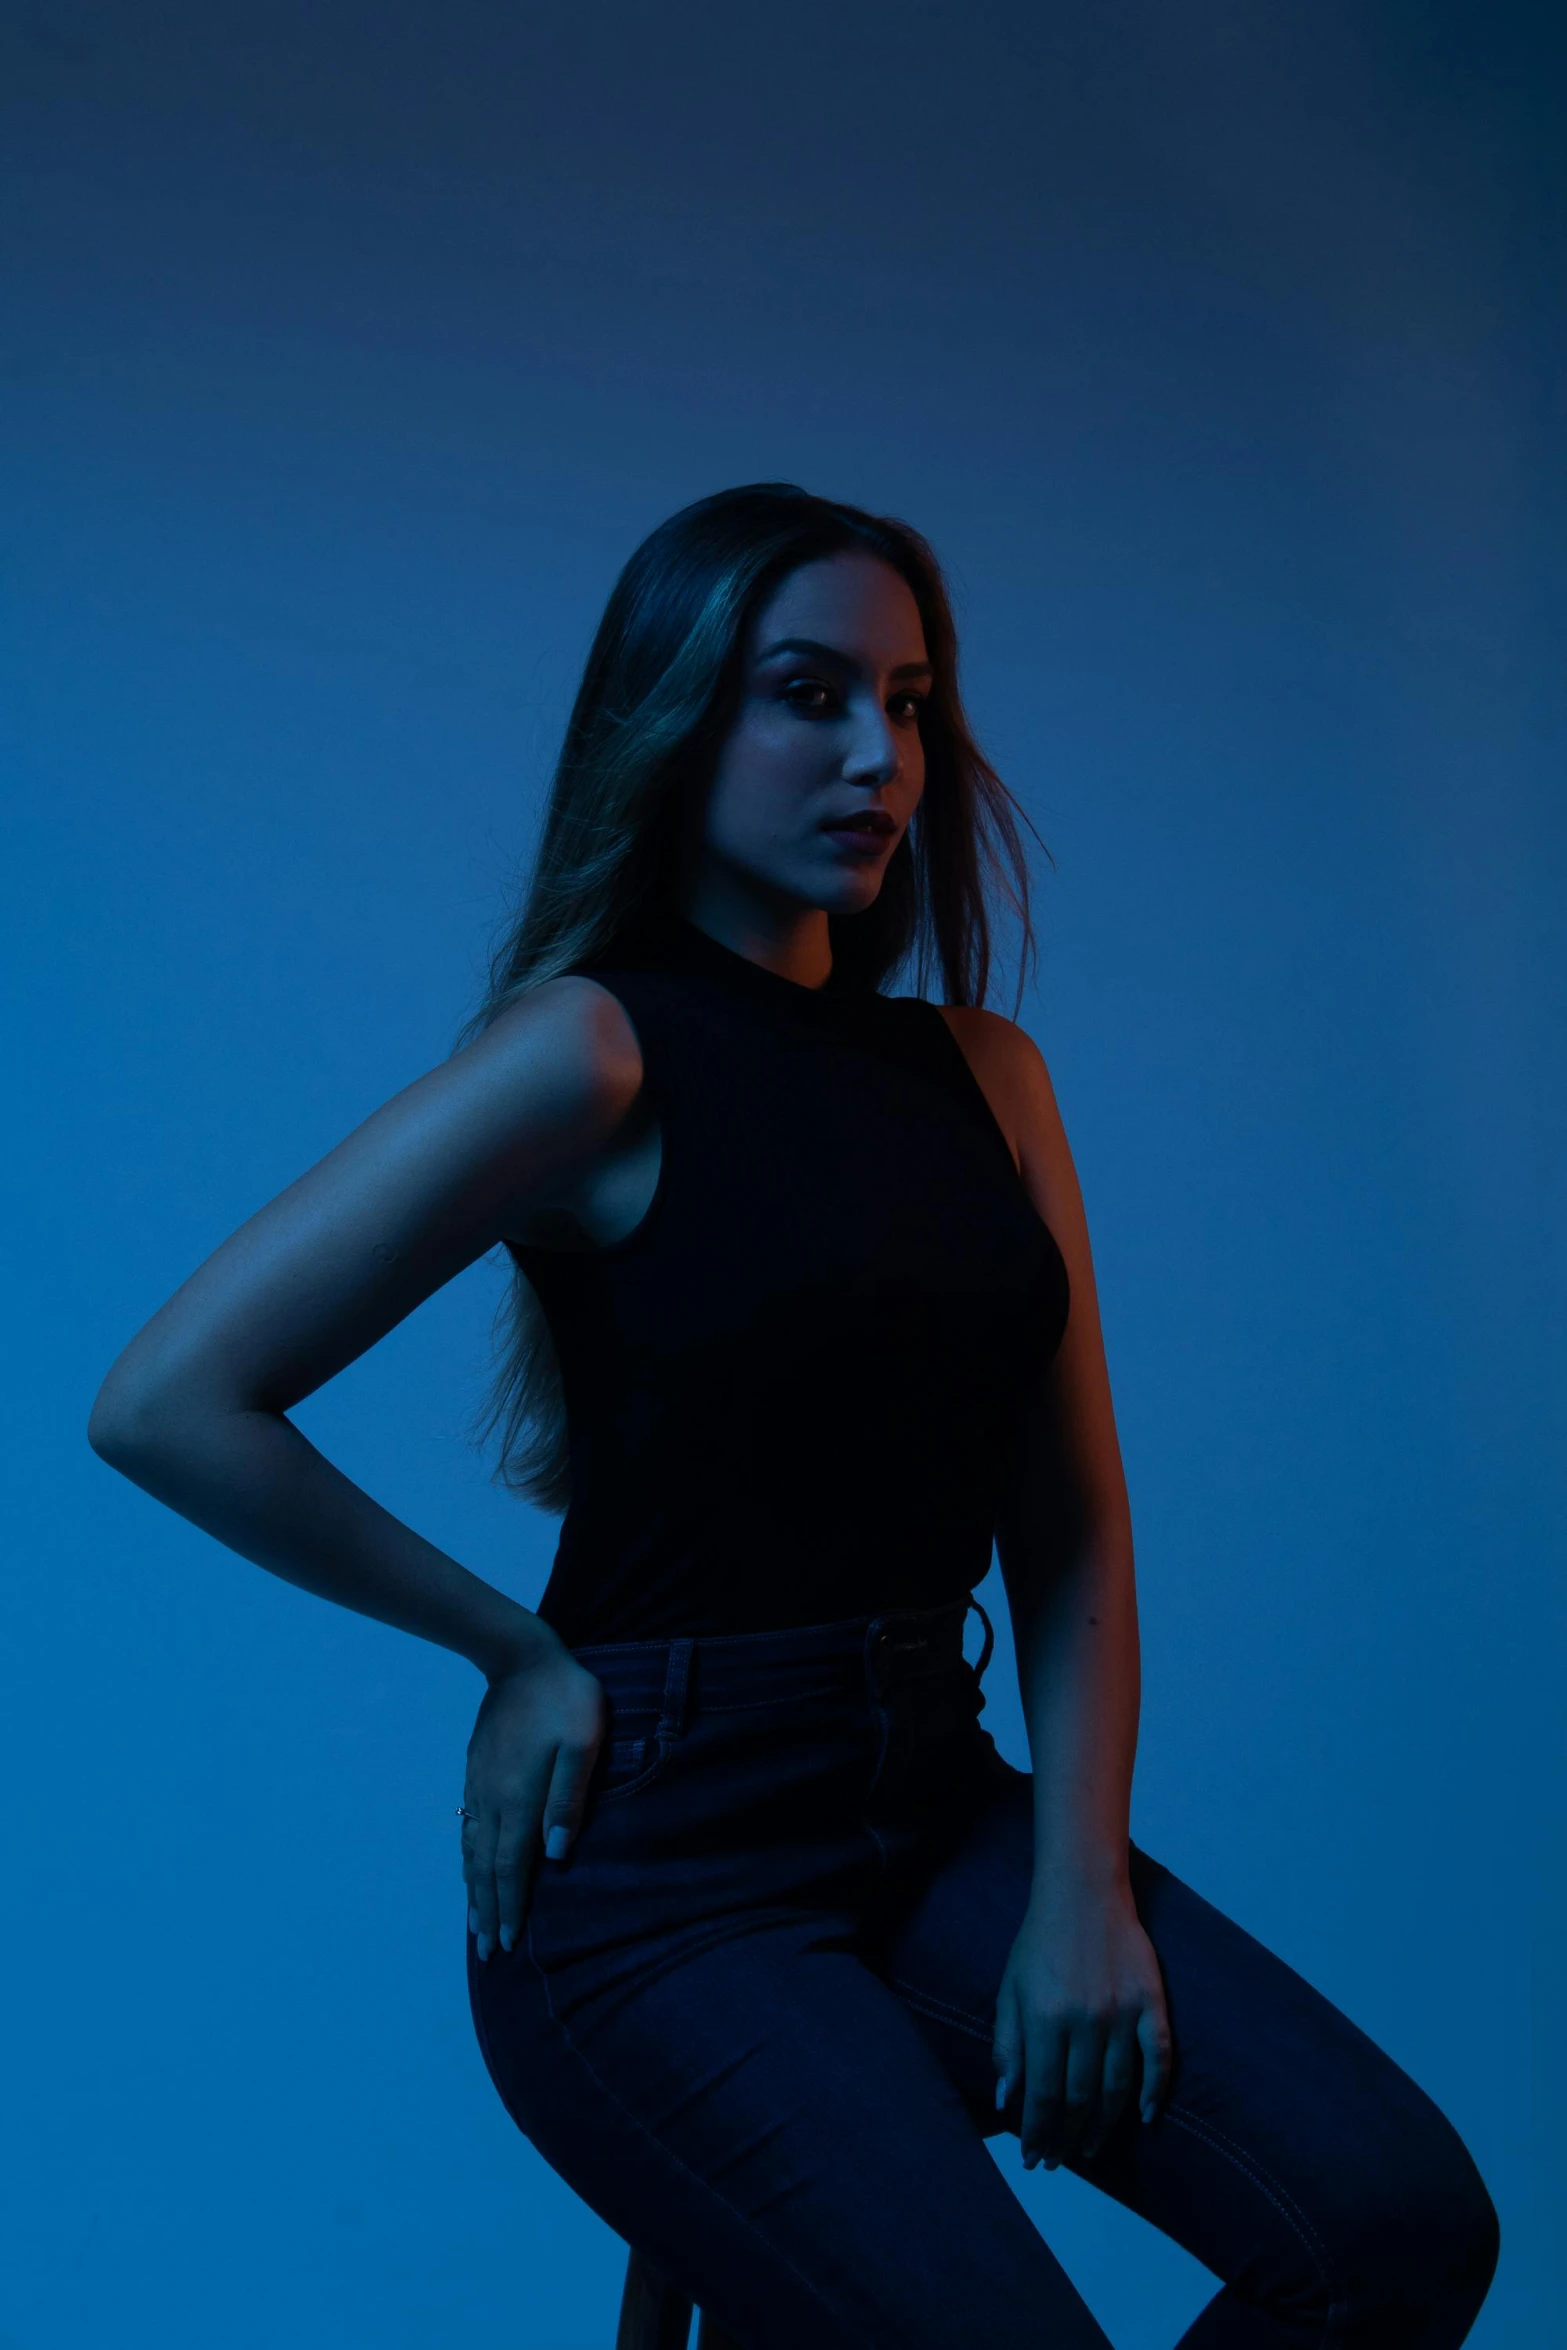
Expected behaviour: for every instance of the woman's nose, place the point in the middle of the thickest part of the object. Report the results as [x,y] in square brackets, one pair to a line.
[873,754]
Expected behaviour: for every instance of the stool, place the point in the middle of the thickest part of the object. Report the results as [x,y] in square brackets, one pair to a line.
[654,2316]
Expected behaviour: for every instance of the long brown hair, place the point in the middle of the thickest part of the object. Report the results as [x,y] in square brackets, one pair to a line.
[662,681]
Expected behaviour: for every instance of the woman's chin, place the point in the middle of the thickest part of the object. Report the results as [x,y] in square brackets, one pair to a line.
[849,892]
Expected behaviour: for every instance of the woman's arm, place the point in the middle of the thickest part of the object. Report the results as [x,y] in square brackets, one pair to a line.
[195,1408]
[1082,1998]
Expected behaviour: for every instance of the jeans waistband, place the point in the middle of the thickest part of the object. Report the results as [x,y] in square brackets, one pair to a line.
[720,1670]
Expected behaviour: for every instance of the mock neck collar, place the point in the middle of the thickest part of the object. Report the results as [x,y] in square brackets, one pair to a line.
[682,943]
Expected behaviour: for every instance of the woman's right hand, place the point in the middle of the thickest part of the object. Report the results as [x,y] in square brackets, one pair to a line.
[529,1762]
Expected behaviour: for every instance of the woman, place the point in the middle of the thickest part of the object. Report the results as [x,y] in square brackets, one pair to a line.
[764,1936]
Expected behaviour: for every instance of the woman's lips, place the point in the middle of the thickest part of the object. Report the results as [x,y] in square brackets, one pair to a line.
[858,840]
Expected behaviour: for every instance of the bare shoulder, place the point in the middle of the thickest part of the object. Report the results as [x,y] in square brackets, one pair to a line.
[568,1047]
[1011,1072]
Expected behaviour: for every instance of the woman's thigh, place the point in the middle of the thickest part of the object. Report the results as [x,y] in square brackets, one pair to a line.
[1292,2156]
[766,2121]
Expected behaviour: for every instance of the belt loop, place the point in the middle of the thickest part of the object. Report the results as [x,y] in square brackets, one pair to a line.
[672,1721]
[990,1638]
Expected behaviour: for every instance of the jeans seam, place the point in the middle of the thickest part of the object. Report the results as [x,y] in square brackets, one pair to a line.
[668,2152]
[882,1741]
[941,2010]
[1295,2219]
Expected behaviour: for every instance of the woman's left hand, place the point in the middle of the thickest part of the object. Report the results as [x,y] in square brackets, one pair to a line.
[1080,2002]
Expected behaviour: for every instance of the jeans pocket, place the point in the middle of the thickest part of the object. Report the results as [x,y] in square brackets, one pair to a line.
[626,1764]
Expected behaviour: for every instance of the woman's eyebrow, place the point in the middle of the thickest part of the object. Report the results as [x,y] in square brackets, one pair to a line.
[814,646]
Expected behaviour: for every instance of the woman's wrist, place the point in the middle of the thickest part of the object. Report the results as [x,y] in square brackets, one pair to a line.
[514,1642]
[1062,1871]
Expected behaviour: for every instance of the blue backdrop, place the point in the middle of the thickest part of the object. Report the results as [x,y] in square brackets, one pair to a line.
[349,350]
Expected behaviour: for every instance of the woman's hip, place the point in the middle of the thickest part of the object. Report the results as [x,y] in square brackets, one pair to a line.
[816,1766]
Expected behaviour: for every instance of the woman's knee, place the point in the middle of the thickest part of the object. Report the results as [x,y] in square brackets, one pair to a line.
[1469,2234]
[1428,2237]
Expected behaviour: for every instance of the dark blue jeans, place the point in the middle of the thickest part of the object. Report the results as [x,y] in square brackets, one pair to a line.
[750,2023]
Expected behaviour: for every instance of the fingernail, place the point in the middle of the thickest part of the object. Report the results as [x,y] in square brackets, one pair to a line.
[557,1843]
[485,1946]
[1001,2093]
[473,1921]
[507,1938]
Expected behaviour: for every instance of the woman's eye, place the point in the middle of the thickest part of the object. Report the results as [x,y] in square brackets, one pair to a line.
[818,700]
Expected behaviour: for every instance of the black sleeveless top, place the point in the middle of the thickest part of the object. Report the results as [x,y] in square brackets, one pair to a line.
[791,1389]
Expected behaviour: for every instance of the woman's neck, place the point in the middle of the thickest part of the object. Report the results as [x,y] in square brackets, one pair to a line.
[790,939]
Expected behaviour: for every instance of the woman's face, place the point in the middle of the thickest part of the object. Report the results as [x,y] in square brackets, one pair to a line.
[823,766]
